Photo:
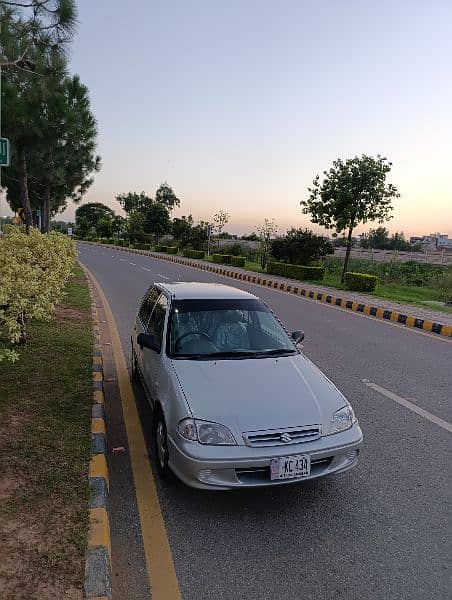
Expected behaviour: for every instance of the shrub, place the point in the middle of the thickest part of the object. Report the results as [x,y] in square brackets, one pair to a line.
[34,270]
[160,248]
[299,272]
[222,259]
[300,246]
[360,282]
[194,254]
[238,261]
[171,249]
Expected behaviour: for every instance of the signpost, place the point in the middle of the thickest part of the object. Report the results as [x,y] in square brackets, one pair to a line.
[4,152]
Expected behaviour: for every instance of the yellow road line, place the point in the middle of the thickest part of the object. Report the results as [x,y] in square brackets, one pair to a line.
[159,561]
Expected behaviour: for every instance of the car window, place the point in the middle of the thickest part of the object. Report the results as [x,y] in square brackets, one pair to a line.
[147,305]
[225,328]
[157,320]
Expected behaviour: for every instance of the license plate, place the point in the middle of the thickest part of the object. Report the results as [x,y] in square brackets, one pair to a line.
[289,467]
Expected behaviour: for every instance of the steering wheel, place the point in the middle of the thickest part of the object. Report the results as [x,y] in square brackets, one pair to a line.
[198,333]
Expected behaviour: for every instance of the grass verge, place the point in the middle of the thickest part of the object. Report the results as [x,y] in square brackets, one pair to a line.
[45,406]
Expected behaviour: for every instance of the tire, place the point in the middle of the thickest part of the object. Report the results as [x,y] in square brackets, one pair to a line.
[161,445]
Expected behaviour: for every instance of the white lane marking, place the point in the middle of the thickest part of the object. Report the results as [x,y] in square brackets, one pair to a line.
[407,404]
[122,260]
[164,276]
[133,264]
[146,269]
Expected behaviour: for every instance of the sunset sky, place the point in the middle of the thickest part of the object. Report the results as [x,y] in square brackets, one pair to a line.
[239,104]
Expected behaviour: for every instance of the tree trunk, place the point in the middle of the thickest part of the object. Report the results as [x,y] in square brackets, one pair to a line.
[45,216]
[347,253]
[23,183]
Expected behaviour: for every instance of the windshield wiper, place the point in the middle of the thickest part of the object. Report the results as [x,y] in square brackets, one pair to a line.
[275,352]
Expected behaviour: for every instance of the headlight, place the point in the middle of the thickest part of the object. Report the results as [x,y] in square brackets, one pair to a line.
[341,420]
[206,432]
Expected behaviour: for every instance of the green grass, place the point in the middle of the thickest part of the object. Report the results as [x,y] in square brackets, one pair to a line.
[45,406]
[425,297]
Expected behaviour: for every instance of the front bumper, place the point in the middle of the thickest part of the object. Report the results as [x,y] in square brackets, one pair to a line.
[227,467]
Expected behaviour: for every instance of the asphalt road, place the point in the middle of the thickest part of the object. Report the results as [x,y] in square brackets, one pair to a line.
[379,531]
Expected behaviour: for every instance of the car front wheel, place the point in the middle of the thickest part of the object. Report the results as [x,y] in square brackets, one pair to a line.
[161,445]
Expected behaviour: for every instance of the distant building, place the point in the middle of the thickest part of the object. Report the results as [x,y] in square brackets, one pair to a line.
[434,241]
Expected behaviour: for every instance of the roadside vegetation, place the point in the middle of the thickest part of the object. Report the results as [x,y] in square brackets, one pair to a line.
[45,404]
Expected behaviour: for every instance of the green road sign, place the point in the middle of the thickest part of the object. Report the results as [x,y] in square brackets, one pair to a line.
[4,152]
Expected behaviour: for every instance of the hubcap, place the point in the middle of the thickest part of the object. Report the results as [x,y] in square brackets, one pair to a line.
[161,444]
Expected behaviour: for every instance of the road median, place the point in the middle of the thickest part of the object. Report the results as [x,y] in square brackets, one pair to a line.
[405,315]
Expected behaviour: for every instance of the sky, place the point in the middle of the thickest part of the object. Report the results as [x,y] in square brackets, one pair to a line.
[239,104]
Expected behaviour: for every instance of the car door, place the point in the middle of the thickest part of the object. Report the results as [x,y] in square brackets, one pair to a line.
[153,362]
[142,321]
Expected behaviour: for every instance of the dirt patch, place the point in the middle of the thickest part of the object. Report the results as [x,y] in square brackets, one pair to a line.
[65,314]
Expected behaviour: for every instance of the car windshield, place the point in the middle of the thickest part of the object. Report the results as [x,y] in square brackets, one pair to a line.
[213,329]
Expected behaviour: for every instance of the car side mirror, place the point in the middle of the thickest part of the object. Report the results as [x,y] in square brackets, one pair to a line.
[147,340]
[297,336]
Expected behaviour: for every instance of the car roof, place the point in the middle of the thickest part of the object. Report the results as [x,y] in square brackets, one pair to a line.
[186,290]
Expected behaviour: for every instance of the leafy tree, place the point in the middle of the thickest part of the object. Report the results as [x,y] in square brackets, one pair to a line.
[266,231]
[398,242]
[220,220]
[135,226]
[156,220]
[300,247]
[353,191]
[118,225]
[198,234]
[165,196]
[181,230]
[103,227]
[90,215]
[376,238]
[132,201]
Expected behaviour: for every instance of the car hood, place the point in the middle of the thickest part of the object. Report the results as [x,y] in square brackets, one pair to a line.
[257,394]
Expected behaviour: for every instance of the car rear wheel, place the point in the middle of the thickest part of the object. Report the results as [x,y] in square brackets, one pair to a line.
[161,445]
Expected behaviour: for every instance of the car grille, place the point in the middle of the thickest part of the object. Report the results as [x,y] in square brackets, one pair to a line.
[262,474]
[282,437]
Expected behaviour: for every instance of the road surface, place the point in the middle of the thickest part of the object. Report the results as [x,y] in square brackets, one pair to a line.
[377,532]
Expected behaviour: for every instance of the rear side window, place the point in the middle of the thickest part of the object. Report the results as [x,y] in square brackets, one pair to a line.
[147,305]
[157,320]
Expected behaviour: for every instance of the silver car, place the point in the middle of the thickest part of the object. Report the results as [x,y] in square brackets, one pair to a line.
[235,402]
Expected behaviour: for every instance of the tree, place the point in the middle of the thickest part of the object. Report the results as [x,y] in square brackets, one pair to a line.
[118,224]
[266,231]
[220,219]
[132,201]
[103,227]
[300,247]
[353,191]
[156,220]
[376,238]
[165,196]
[90,215]
[252,237]
[181,230]
[30,25]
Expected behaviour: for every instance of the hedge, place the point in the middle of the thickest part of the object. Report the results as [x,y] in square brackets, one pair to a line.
[224,259]
[140,246]
[171,249]
[238,261]
[360,282]
[159,248]
[194,254]
[300,272]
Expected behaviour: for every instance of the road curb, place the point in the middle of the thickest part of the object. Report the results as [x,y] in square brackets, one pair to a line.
[98,579]
[377,312]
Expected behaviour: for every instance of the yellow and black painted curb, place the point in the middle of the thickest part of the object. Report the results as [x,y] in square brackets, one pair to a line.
[98,554]
[260,279]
